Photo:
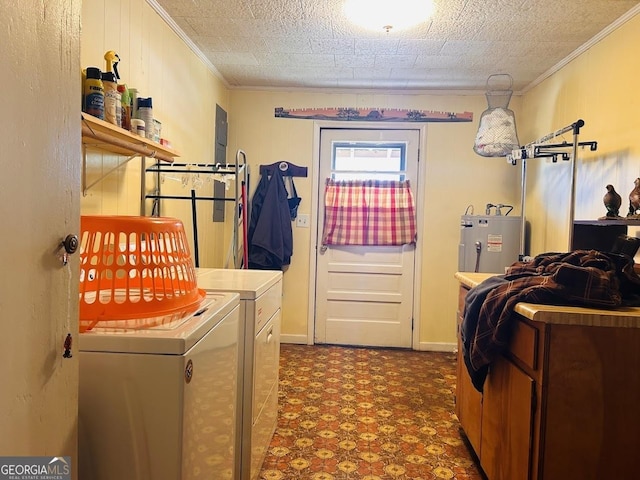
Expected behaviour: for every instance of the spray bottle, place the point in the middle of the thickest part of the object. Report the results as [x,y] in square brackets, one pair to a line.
[112,98]
[112,59]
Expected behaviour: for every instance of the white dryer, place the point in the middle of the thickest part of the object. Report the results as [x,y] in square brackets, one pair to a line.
[260,319]
[157,399]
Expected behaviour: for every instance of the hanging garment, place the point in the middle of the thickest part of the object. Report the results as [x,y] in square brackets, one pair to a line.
[270,236]
[294,200]
[256,206]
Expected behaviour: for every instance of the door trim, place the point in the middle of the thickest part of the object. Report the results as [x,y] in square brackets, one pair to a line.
[315,204]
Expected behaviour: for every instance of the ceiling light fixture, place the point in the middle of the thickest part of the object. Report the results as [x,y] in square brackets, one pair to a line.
[388,14]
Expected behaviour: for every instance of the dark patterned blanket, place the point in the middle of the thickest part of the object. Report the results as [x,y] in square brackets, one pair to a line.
[587,278]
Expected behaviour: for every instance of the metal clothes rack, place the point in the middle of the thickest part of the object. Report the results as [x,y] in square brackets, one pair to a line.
[539,148]
[240,170]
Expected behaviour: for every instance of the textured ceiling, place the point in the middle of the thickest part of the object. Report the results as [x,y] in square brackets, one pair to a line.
[310,44]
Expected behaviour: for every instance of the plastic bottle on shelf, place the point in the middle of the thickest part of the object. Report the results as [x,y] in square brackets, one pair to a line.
[137,127]
[94,93]
[126,106]
[112,100]
[145,113]
[133,96]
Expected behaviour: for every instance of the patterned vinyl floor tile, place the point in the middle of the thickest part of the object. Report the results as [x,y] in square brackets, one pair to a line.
[348,413]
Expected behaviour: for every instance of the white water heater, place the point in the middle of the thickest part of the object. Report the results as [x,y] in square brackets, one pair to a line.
[488,243]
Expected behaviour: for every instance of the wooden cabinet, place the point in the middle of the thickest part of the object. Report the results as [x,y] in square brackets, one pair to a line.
[508,405]
[469,411]
[563,401]
[591,414]
[499,422]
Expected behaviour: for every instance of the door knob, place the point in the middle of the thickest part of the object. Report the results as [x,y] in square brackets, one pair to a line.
[69,246]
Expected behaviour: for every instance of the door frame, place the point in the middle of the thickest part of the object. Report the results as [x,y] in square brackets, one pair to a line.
[315,205]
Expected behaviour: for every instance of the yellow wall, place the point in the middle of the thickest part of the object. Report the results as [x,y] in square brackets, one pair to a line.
[602,87]
[184,91]
[160,65]
[455,177]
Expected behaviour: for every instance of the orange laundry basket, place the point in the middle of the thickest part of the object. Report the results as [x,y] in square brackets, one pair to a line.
[134,268]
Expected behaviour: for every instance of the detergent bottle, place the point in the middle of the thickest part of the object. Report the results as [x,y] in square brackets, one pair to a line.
[94,93]
[126,106]
[145,113]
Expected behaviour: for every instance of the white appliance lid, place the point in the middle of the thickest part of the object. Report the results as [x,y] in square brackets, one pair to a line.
[250,284]
[168,334]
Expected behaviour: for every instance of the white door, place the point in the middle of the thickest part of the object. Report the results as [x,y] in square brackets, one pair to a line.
[364,294]
[39,205]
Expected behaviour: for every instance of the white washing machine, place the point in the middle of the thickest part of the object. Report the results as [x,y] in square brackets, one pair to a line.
[260,318]
[158,397]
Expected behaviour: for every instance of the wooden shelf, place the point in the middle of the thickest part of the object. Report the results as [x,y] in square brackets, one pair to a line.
[608,222]
[600,234]
[105,136]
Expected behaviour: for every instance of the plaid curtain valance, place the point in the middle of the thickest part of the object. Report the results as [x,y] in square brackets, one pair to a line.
[368,212]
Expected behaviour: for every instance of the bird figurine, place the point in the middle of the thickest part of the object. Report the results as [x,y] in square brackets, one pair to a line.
[634,199]
[612,202]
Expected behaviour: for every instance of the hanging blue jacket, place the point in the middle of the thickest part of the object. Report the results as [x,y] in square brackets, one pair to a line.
[270,237]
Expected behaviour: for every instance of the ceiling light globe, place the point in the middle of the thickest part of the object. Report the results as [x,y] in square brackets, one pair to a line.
[382,15]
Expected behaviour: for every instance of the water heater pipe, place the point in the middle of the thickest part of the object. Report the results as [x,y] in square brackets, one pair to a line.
[478,252]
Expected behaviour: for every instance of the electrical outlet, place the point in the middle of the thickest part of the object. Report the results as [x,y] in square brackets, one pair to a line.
[303,220]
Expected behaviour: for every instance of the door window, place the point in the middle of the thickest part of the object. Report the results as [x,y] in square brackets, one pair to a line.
[368,161]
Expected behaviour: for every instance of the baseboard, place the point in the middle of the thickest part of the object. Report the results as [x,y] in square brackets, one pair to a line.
[437,347]
[296,339]
[423,346]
